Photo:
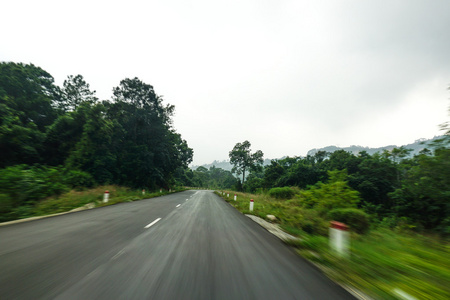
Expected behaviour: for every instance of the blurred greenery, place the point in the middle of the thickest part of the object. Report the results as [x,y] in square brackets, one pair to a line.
[72,199]
[382,260]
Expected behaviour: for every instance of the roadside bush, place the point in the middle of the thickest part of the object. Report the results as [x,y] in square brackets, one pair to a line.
[313,223]
[308,220]
[5,207]
[281,193]
[252,184]
[356,219]
[21,186]
[78,179]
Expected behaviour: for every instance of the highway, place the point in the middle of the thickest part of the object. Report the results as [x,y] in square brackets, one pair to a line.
[188,245]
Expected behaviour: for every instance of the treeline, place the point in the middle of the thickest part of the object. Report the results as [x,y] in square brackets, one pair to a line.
[214,178]
[69,133]
[416,189]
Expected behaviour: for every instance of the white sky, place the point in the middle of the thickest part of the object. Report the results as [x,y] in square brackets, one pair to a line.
[288,76]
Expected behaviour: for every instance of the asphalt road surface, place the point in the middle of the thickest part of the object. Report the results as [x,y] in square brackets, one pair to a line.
[188,245]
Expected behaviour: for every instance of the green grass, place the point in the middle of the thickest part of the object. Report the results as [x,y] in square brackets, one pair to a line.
[380,261]
[74,199]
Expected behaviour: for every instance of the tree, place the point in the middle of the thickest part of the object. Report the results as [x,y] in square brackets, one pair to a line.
[74,92]
[243,160]
[26,96]
[425,189]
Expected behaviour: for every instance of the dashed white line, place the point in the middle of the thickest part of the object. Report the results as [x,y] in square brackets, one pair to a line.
[118,254]
[178,205]
[152,223]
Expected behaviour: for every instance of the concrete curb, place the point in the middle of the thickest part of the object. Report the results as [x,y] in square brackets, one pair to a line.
[274,229]
[84,207]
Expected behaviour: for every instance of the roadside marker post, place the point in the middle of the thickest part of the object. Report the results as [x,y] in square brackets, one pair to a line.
[339,238]
[143,192]
[106,197]
[251,204]
[160,190]
[235,197]
[228,195]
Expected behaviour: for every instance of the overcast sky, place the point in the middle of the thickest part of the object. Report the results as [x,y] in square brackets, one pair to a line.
[288,76]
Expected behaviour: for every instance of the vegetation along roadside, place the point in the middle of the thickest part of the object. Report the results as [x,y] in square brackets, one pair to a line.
[385,262]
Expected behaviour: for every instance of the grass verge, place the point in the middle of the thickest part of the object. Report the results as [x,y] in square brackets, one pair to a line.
[75,199]
[383,264]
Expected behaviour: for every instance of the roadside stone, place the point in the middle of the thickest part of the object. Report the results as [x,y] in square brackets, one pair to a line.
[271,218]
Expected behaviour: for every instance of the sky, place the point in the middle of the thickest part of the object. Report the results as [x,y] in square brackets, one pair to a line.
[287,76]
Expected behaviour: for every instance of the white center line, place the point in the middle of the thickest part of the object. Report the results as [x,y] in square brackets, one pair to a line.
[178,205]
[152,223]
[118,254]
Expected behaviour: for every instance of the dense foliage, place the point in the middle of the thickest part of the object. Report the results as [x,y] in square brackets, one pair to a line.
[391,187]
[281,193]
[68,133]
[214,178]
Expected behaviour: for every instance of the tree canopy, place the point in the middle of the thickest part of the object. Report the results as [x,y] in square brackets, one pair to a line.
[128,140]
[243,160]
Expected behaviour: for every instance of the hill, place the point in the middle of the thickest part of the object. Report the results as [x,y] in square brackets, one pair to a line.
[416,147]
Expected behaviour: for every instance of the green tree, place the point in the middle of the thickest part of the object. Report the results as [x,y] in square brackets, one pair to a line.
[74,92]
[243,160]
[26,96]
[31,92]
[150,150]
[96,150]
[425,190]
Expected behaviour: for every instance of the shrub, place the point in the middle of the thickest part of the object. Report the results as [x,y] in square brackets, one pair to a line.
[77,179]
[25,185]
[281,193]
[313,223]
[334,194]
[6,207]
[356,219]
[308,220]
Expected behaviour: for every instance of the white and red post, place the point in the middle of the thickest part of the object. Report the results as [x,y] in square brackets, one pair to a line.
[106,197]
[235,197]
[339,238]
[251,204]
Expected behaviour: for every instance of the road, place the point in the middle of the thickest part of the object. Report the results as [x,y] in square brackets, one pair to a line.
[188,245]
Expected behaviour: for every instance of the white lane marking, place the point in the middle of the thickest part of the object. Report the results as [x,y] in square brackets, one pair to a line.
[152,223]
[178,205]
[187,199]
[118,254]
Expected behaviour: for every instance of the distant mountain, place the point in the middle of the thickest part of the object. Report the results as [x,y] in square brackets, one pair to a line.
[417,146]
[225,164]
